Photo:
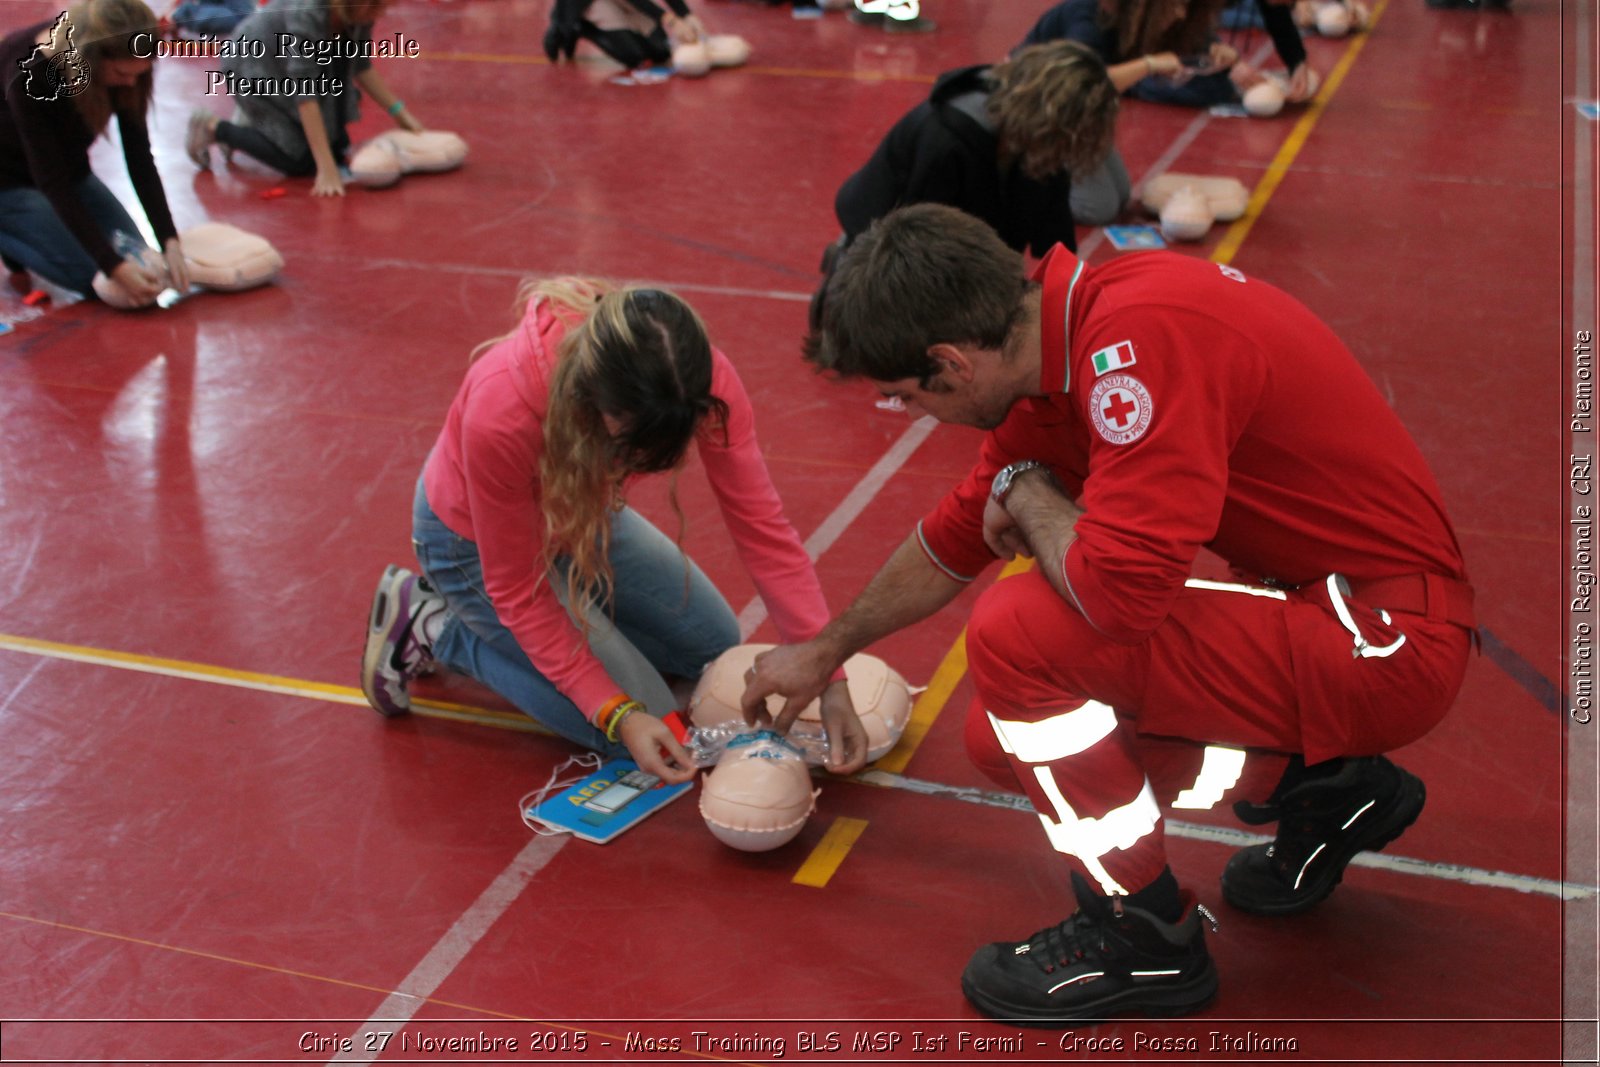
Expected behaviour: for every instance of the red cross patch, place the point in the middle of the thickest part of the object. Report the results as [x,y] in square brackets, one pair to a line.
[1120,408]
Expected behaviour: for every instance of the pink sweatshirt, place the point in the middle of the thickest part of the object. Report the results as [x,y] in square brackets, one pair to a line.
[482,480]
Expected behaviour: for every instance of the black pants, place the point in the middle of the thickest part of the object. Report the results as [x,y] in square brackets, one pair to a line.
[254,143]
[630,49]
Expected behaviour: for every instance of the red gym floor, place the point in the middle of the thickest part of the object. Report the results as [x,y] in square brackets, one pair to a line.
[212,852]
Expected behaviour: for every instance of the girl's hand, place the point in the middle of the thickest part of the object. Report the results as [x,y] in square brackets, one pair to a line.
[683,30]
[651,745]
[141,284]
[1301,86]
[328,183]
[177,266]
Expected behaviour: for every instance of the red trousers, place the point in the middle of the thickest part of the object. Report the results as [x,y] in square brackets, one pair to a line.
[1103,736]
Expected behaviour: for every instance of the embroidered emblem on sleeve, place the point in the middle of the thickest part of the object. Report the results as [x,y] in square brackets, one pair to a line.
[1120,408]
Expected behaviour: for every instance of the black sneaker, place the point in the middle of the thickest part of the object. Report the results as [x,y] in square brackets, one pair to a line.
[914,25]
[1106,959]
[1322,824]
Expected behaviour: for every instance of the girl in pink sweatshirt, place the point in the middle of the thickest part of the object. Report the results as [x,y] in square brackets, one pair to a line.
[537,578]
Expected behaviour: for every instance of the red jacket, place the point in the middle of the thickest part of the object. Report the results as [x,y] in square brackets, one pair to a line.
[1223,414]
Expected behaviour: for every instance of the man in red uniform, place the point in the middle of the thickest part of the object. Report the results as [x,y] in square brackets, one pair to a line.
[1139,412]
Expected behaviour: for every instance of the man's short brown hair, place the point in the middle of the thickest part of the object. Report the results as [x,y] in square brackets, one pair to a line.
[922,275]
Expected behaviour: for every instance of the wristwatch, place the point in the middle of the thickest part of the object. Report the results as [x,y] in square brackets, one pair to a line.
[1002,481]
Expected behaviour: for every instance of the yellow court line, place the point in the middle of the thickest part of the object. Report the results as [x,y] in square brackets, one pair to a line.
[830,852]
[266,683]
[931,701]
[251,964]
[1228,247]
[308,976]
[523,59]
[945,678]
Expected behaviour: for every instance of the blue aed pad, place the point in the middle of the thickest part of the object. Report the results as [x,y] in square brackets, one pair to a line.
[607,802]
[1590,109]
[1126,238]
[5,328]
[642,76]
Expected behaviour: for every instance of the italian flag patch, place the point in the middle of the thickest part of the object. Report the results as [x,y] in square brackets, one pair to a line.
[1116,357]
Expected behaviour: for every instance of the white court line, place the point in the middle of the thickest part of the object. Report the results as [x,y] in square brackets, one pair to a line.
[1224,835]
[399,1007]
[426,977]
[755,612]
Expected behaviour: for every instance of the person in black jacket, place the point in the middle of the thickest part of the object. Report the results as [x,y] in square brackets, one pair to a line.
[1167,51]
[635,33]
[61,83]
[998,142]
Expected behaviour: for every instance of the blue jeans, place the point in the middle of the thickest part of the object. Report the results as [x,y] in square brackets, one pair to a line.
[664,618]
[33,235]
[211,18]
[1205,90]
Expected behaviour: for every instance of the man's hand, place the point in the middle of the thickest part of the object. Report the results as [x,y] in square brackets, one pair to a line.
[1222,55]
[1001,532]
[798,673]
[1302,84]
[651,745]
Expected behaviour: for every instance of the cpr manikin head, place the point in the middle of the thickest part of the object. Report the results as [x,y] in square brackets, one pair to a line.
[1264,99]
[1187,215]
[881,696]
[759,794]
[224,257]
[383,160]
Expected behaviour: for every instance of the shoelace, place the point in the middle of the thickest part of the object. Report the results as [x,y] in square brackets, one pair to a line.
[1080,936]
[1071,940]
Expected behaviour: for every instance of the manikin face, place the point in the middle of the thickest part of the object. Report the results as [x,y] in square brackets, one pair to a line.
[968,390]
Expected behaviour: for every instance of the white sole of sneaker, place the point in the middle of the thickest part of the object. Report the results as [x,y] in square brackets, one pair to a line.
[380,620]
[1156,1001]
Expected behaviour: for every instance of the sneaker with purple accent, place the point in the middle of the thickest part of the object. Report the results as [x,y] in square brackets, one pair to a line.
[396,651]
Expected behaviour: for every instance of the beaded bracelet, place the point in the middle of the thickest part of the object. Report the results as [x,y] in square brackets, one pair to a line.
[603,716]
[397,107]
[613,728]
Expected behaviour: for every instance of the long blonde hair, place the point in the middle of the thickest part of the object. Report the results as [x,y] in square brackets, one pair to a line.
[640,356]
[104,30]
